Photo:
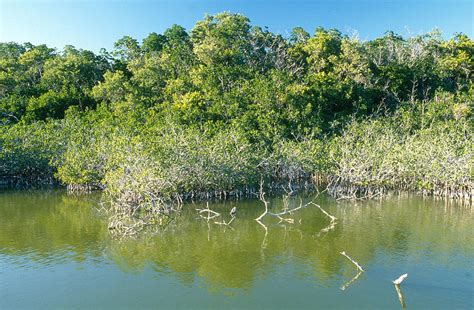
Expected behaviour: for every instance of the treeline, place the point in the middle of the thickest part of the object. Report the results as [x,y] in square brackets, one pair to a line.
[215,109]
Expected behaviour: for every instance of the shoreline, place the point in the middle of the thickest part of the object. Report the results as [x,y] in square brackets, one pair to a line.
[317,183]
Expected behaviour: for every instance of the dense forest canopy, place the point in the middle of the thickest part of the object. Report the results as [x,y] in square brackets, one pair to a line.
[228,87]
[225,72]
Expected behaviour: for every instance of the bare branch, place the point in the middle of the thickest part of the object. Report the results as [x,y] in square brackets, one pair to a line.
[209,212]
[289,211]
[353,261]
[400,279]
[397,283]
[333,218]
[262,198]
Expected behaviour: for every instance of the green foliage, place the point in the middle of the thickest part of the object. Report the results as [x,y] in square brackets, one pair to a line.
[167,161]
[85,156]
[298,160]
[26,152]
[381,153]
[220,107]
[37,83]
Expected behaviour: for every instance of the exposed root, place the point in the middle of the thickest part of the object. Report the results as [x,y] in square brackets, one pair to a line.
[344,189]
[128,220]
[83,188]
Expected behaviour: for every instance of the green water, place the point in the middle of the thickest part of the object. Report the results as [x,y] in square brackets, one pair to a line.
[56,252]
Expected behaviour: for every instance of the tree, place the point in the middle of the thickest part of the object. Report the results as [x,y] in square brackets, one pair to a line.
[126,48]
[153,43]
[66,80]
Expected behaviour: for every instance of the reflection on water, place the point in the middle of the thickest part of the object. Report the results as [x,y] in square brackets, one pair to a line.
[246,264]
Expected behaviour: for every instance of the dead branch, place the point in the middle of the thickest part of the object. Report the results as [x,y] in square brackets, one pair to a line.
[262,198]
[400,296]
[400,279]
[209,212]
[333,218]
[289,211]
[397,283]
[353,261]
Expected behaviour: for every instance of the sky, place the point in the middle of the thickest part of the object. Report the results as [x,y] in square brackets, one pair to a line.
[92,25]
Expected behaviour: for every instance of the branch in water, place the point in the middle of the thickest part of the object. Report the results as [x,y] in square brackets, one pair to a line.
[397,283]
[333,218]
[353,261]
[301,206]
[400,279]
[285,211]
[209,212]
[262,198]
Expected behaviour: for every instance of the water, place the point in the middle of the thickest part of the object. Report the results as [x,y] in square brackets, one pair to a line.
[56,252]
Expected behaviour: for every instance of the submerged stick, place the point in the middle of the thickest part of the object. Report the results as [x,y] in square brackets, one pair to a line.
[333,218]
[397,283]
[400,296]
[353,261]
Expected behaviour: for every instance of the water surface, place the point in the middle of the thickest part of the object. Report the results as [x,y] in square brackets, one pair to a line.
[56,252]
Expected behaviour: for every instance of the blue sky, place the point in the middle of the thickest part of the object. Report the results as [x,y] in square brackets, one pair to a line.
[94,24]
